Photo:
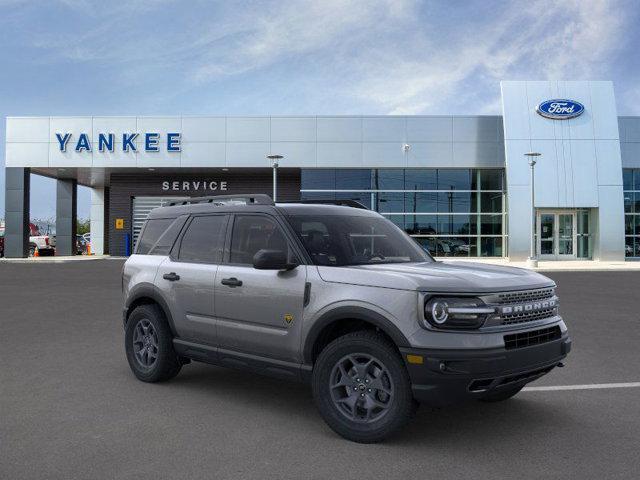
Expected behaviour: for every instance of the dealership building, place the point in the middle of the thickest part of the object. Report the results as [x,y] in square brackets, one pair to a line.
[461,185]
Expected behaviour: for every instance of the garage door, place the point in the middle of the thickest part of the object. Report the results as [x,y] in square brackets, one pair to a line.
[141,208]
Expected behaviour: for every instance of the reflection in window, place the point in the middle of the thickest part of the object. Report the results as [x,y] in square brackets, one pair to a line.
[353,179]
[454,179]
[450,212]
[631,182]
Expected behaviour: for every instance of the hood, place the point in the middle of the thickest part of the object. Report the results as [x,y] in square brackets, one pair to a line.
[458,277]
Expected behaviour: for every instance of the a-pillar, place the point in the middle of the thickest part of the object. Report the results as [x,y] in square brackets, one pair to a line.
[66,217]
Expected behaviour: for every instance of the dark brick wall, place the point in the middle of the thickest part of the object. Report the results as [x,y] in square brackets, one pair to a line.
[123,187]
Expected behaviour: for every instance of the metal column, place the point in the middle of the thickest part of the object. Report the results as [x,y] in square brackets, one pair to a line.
[17,190]
[66,217]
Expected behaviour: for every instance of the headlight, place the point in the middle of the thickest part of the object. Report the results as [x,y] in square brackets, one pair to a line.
[455,312]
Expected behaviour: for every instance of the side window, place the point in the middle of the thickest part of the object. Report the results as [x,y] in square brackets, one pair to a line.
[152,231]
[203,240]
[168,238]
[252,233]
[319,242]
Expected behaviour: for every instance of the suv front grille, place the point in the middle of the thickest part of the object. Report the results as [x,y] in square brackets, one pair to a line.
[525,296]
[523,317]
[534,337]
[532,298]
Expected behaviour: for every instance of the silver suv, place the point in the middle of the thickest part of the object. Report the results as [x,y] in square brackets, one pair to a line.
[337,296]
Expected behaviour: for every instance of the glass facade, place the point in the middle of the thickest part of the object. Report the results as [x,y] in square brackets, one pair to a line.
[631,180]
[450,212]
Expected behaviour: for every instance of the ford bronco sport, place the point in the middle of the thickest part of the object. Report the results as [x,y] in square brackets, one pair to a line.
[336,296]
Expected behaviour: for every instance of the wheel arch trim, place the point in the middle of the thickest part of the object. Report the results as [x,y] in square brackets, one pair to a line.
[147,290]
[351,313]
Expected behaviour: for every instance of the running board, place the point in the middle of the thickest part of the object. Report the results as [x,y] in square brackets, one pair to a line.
[243,361]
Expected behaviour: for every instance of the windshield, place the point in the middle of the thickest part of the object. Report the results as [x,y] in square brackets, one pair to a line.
[340,240]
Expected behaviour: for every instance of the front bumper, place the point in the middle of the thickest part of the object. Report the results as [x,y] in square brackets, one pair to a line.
[451,376]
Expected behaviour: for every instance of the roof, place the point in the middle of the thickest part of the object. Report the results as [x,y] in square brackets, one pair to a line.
[290,209]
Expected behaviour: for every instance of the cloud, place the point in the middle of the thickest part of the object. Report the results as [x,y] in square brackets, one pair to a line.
[540,40]
[391,56]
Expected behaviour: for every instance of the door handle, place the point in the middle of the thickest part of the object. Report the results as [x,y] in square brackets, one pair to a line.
[172,277]
[231,282]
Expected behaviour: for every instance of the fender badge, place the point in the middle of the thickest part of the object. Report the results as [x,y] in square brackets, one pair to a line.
[288,318]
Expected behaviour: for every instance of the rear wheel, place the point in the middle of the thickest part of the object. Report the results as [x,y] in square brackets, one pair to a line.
[362,387]
[501,395]
[149,345]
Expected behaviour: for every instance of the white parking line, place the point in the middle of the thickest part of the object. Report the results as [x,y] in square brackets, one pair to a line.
[591,386]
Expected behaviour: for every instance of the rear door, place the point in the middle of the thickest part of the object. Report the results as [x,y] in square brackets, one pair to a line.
[187,277]
[259,311]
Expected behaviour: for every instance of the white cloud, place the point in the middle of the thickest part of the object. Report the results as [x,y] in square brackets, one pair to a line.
[543,40]
[393,56]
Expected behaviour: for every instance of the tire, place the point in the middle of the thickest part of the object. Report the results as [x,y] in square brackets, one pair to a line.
[502,395]
[147,328]
[350,407]
[32,249]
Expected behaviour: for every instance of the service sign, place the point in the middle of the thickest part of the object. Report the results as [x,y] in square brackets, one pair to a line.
[560,109]
[106,142]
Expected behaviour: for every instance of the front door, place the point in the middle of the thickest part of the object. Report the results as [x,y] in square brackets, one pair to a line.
[259,311]
[556,235]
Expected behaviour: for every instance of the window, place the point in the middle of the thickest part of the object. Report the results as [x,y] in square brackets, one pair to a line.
[204,239]
[450,211]
[353,179]
[631,181]
[168,238]
[252,233]
[151,233]
[341,240]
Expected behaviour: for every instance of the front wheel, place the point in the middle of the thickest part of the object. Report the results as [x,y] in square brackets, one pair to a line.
[362,388]
[149,345]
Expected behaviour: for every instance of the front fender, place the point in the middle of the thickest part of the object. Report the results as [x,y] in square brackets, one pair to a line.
[351,312]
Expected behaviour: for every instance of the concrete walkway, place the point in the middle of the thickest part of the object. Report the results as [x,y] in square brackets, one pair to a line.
[547,266]
[61,259]
[556,266]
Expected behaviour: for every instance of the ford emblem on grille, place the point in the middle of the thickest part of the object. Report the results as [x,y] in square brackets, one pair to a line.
[560,109]
[528,307]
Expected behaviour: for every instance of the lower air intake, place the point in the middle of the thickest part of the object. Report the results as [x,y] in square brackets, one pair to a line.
[533,337]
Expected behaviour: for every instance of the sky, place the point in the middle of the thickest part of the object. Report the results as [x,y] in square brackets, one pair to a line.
[161,57]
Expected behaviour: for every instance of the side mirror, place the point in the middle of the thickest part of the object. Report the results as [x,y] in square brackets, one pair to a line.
[272,260]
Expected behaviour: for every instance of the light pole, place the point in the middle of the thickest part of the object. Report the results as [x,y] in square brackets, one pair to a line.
[532,261]
[274,163]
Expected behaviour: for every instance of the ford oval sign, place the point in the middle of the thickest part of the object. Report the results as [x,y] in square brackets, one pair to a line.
[560,109]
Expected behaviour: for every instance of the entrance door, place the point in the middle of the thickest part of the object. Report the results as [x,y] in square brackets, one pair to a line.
[557,235]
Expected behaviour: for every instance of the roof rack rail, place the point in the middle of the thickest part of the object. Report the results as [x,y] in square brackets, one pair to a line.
[257,199]
[342,203]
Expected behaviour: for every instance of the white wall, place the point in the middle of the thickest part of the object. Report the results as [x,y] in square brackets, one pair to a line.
[309,141]
[580,166]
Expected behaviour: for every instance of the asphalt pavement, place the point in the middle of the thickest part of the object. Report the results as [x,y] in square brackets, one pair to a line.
[70,408]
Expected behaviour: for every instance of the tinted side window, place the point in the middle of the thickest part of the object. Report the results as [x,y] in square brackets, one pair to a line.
[153,229]
[203,240]
[252,233]
[168,238]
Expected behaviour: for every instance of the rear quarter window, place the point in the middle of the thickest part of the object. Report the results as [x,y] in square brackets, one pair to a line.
[159,235]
